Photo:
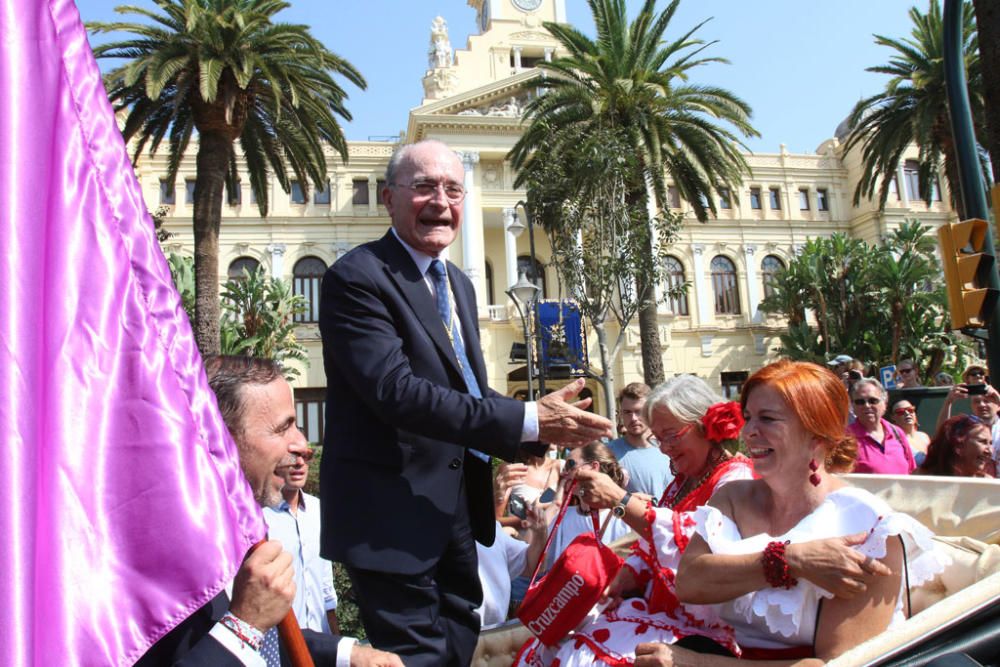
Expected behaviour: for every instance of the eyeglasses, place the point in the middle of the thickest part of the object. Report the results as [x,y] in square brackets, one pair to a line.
[867,401]
[975,374]
[904,411]
[905,370]
[673,438]
[453,192]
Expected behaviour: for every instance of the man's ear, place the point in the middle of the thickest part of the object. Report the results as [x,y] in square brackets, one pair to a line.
[386,196]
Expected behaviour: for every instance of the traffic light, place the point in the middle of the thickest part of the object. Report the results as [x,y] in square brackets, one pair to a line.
[967,273]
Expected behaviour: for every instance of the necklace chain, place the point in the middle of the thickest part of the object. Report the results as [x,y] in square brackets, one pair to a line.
[687,490]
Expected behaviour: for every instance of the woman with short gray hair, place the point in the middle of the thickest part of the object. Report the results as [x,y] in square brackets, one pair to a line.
[692,423]
[687,397]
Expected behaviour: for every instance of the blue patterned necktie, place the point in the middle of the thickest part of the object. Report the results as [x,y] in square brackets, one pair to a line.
[439,276]
[269,648]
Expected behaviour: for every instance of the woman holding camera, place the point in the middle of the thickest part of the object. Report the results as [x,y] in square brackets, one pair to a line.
[883,448]
[525,482]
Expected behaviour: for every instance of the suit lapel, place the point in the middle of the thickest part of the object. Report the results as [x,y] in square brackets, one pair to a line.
[401,269]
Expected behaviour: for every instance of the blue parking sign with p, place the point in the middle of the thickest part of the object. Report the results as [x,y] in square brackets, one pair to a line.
[888,376]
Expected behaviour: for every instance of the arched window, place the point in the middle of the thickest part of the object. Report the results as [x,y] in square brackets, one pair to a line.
[237,266]
[769,269]
[673,278]
[535,274]
[306,278]
[727,293]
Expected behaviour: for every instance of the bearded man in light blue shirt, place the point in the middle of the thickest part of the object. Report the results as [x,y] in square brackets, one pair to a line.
[295,522]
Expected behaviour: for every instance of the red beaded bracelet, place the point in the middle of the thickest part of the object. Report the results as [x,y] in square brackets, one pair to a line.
[775,564]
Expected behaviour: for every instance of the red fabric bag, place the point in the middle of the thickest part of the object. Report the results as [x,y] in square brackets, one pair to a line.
[556,604]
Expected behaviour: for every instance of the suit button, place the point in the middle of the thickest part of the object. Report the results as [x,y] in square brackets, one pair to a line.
[455,464]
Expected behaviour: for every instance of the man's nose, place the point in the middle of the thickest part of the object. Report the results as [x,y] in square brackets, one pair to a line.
[298,444]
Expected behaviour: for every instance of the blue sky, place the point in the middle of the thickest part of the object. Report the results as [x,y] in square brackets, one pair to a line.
[800,65]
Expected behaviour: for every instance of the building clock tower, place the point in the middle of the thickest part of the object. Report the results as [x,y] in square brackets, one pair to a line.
[521,11]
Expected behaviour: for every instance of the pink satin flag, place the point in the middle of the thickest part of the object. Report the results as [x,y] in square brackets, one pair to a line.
[125,508]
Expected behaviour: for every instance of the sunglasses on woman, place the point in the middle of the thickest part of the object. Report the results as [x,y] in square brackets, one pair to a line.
[899,412]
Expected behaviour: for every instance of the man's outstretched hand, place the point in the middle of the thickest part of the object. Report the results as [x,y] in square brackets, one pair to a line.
[568,424]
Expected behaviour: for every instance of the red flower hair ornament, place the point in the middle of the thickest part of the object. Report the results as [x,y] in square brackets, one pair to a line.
[723,421]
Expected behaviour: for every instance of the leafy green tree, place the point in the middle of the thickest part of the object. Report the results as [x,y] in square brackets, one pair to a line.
[258,320]
[226,70]
[875,303]
[632,78]
[598,239]
[913,109]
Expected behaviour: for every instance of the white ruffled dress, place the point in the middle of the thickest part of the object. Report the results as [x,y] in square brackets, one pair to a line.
[775,618]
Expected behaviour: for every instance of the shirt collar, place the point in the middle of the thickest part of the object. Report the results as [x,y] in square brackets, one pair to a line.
[283,506]
[421,259]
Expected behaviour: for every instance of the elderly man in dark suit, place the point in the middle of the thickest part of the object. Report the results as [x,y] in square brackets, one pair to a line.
[411,423]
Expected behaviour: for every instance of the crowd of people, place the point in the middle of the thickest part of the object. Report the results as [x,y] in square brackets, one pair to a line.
[963,446]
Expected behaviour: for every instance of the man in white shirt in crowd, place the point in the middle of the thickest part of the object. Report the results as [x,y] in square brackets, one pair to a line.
[637,451]
[295,522]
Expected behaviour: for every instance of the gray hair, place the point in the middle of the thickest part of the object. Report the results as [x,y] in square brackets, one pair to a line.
[874,383]
[401,153]
[686,397]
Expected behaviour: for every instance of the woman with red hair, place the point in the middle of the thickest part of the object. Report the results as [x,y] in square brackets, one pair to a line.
[800,564]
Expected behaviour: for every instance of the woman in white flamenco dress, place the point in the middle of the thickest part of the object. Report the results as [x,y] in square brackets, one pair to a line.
[800,565]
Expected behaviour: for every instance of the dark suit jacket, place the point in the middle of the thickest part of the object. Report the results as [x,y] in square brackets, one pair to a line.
[190,645]
[399,417]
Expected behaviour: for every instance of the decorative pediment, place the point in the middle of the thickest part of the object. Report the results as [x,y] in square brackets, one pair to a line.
[498,99]
[496,107]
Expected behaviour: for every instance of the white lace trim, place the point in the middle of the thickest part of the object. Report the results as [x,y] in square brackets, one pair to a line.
[662,529]
[844,512]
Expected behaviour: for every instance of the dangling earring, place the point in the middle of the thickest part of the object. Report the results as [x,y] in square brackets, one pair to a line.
[813,476]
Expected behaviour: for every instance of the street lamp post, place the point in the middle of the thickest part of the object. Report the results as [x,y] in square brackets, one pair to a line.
[524,294]
[515,228]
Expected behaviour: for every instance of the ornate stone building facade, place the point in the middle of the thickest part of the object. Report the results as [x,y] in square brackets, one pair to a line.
[473,101]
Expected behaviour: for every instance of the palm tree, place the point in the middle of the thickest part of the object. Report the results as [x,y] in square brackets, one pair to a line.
[913,109]
[224,69]
[631,78]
